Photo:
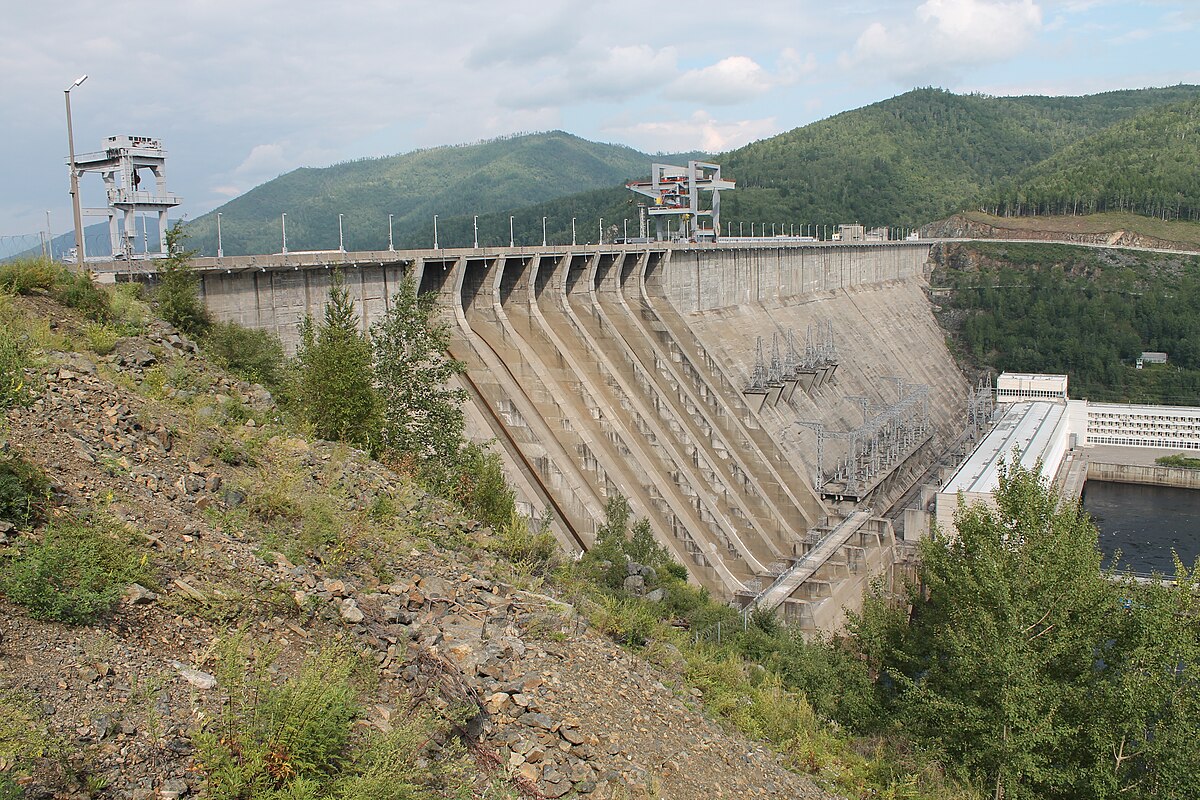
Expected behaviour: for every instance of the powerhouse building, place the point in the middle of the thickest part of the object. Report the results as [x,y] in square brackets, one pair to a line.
[1036,422]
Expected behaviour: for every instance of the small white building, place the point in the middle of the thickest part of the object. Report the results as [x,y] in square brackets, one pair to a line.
[1014,386]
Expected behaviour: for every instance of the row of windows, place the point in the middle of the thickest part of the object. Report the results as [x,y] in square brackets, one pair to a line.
[1174,444]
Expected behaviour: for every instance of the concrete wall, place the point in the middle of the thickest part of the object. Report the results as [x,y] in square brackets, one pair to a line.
[1151,475]
[706,280]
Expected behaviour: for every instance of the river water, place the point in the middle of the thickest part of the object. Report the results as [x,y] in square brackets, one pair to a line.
[1145,523]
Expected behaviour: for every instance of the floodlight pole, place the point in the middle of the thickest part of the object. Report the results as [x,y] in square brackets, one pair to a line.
[220,249]
[435,241]
[601,231]
[341,241]
[511,240]
[74,174]
[543,231]
[475,227]
[572,231]
[391,246]
[283,227]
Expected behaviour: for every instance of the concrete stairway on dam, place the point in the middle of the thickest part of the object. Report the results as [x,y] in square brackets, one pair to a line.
[630,449]
[772,513]
[712,385]
[523,432]
[647,405]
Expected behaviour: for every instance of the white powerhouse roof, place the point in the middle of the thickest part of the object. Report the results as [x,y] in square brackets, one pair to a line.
[1029,427]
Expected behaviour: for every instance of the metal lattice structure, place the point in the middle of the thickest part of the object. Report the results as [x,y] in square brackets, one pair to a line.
[888,435]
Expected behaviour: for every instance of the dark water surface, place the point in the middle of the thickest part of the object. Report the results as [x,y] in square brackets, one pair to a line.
[1145,523]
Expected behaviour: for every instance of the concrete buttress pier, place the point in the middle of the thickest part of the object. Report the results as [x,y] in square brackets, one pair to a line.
[623,368]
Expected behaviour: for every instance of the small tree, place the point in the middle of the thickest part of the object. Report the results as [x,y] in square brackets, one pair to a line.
[178,293]
[422,416]
[336,391]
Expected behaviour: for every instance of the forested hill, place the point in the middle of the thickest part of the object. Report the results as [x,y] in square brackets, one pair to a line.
[1148,164]
[918,156]
[908,160]
[491,176]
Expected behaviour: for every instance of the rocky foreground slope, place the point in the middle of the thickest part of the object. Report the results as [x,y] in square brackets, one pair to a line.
[215,492]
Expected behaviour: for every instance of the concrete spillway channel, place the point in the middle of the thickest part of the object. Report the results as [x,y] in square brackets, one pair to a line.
[646,407]
[523,427]
[630,452]
[766,529]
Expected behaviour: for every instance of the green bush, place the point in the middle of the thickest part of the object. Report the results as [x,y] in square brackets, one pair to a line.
[77,290]
[76,573]
[27,275]
[24,491]
[178,293]
[516,541]
[15,358]
[278,738]
[100,338]
[252,355]
[482,489]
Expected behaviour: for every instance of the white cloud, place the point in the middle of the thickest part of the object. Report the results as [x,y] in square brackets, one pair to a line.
[730,80]
[700,131]
[946,37]
[605,73]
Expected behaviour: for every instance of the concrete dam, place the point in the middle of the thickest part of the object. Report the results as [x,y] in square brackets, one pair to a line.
[682,376]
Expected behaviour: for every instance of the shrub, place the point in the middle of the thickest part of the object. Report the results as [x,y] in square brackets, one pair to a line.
[76,573]
[178,293]
[278,738]
[24,490]
[101,339]
[27,275]
[482,490]
[15,358]
[534,550]
[76,289]
[252,355]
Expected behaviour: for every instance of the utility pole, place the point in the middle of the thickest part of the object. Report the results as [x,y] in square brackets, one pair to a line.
[75,174]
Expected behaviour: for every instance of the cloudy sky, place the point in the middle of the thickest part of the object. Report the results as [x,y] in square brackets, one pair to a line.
[240,92]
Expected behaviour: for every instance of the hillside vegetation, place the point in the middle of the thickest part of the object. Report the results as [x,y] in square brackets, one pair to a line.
[1077,311]
[1148,164]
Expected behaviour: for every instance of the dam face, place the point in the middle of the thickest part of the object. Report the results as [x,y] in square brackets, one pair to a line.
[625,369]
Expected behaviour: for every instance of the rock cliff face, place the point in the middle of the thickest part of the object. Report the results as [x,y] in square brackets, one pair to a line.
[959,227]
[183,456]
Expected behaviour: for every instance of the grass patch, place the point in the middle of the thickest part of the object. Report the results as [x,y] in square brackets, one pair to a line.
[24,492]
[76,572]
[1178,460]
[297,739]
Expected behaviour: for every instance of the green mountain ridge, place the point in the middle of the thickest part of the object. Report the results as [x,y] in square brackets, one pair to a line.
[449,181]
[904,161]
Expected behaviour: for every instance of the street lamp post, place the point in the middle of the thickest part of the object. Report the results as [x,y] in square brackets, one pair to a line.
[341,241]
[475,228]
[572,231]
[74,174]
[625,231]
[543,231]
[435,241]
[391,246]
[283,228]
[601,231]
[511,238]
[220,249]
